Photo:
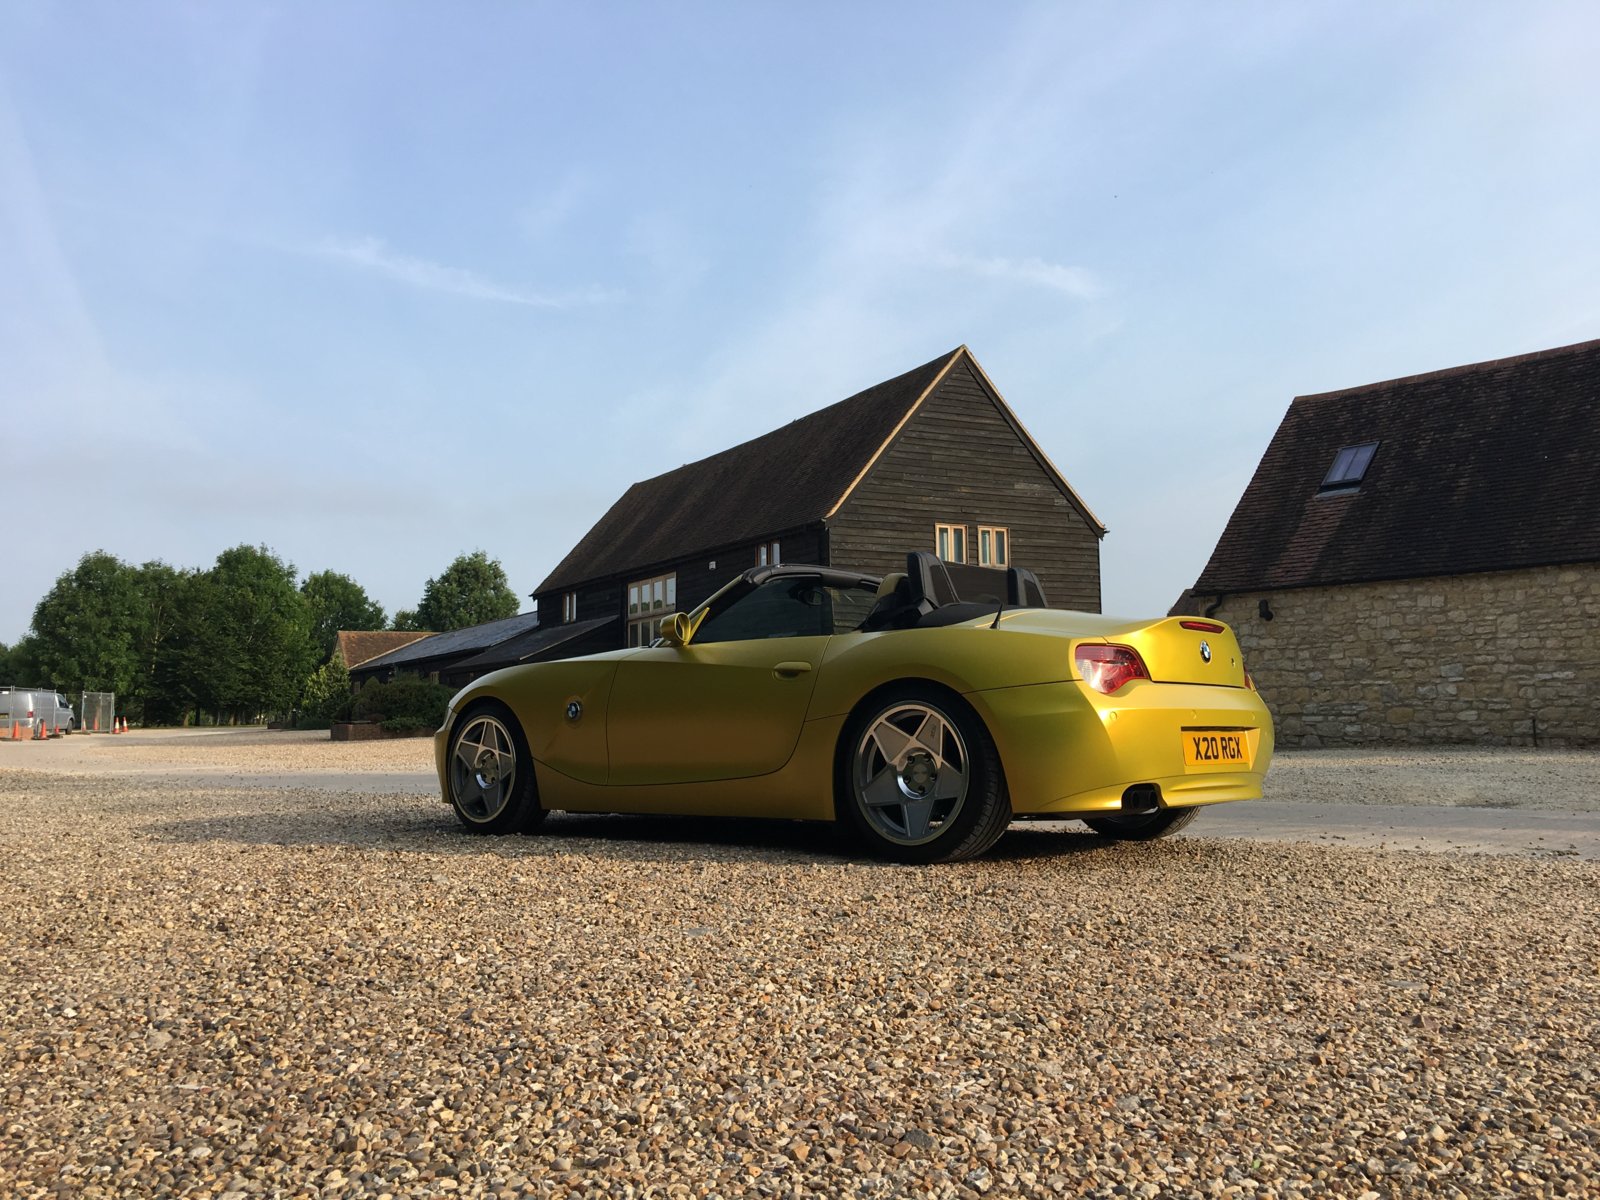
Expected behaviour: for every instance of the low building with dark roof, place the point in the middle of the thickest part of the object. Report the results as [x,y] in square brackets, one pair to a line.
[535,645]
[435,653]
[357,646]
[933,459]
[1418,560]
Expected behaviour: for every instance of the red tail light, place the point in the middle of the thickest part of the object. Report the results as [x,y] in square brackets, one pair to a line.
[1201,626]
[1107,668]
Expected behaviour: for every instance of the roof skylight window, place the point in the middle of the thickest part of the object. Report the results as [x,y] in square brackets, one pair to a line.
[1349,467]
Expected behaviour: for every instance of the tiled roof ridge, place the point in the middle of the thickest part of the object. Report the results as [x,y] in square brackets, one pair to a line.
[1452,372]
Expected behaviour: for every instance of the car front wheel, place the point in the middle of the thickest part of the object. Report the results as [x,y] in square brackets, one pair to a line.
[1142,827]
[491,773]
[920,778]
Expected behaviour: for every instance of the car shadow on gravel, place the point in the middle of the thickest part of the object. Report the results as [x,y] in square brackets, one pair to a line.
[643,838]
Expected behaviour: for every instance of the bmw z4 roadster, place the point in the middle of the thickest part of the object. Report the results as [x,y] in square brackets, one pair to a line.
[926,709]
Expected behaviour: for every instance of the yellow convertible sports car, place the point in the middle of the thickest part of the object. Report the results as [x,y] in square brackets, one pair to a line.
[926,709]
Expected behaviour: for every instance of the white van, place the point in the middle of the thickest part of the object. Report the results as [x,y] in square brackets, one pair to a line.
[53,709]
[16,708]
[30,706]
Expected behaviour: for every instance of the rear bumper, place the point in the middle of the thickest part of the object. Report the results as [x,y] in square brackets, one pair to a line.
[1068,749]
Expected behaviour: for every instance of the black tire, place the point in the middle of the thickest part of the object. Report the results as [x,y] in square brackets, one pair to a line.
[1145,827]
[485,736]
[959,830]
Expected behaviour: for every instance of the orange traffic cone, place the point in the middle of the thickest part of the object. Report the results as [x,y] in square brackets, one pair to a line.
[16,730]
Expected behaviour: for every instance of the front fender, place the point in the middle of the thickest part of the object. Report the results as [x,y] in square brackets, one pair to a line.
[539,696]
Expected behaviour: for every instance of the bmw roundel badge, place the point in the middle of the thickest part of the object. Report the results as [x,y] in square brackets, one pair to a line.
[575,708]
[1205,651]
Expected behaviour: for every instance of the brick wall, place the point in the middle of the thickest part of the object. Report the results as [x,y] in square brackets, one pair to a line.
[1458,659]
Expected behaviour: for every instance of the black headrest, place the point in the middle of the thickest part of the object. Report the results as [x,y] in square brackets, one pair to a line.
[1023,589]
[931,587]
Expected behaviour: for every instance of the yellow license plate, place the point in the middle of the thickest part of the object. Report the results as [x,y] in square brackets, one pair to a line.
[1217,749]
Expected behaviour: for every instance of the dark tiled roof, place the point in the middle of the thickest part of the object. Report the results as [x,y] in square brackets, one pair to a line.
[357,646]
[526,645]
[779,481]
[1485,467]
[457,642]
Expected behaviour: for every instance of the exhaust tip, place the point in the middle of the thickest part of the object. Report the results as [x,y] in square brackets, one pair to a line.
[1141,799]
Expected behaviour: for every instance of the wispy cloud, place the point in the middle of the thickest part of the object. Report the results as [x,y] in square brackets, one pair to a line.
[549,212]
[1078,282]
[372,254]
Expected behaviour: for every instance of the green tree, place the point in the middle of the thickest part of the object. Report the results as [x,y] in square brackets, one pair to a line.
[85,627]
[327,690]
[19,662]
[472,590]
[338,602]
[162,690]
[406,619]
[250,647]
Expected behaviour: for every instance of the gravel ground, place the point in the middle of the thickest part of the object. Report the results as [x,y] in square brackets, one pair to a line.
[213,990]
[1546,780]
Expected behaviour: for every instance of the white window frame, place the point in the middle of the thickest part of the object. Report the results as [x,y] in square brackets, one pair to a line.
[647,601]
[994,546]
[569,607]
[769,555]
[950,539]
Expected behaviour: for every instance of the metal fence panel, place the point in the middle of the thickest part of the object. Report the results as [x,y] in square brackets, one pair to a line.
[97,711]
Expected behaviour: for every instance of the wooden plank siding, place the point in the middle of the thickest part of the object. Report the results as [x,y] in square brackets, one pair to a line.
[959,461]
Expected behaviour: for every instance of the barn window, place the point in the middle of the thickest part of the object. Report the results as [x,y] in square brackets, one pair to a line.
[993,546]
[1349,467]
[768,555]
[648,601]
[569,607]
[950,542]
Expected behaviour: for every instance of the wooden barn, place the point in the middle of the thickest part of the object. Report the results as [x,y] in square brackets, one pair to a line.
[933,459]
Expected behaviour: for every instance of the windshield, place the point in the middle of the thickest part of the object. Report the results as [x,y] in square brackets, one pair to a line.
[785,606]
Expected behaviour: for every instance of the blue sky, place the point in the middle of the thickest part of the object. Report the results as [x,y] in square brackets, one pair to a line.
[375,284]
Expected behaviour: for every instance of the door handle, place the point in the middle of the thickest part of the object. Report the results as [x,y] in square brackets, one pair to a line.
[788,670]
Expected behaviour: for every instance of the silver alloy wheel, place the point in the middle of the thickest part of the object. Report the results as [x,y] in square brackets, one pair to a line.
[483,769]
[910,774]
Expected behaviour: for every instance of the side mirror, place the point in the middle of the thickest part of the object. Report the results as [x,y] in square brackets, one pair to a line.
[676,629]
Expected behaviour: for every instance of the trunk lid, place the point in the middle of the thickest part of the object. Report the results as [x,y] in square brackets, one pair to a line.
[1206,653]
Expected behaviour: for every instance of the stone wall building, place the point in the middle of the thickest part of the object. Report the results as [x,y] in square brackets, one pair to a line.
[1418,561]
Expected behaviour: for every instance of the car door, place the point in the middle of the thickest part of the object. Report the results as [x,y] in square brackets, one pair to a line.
[731,703]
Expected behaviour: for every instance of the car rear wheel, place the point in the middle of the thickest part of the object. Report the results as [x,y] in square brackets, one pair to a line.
[920,779]
[491,773]
[1142,827]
